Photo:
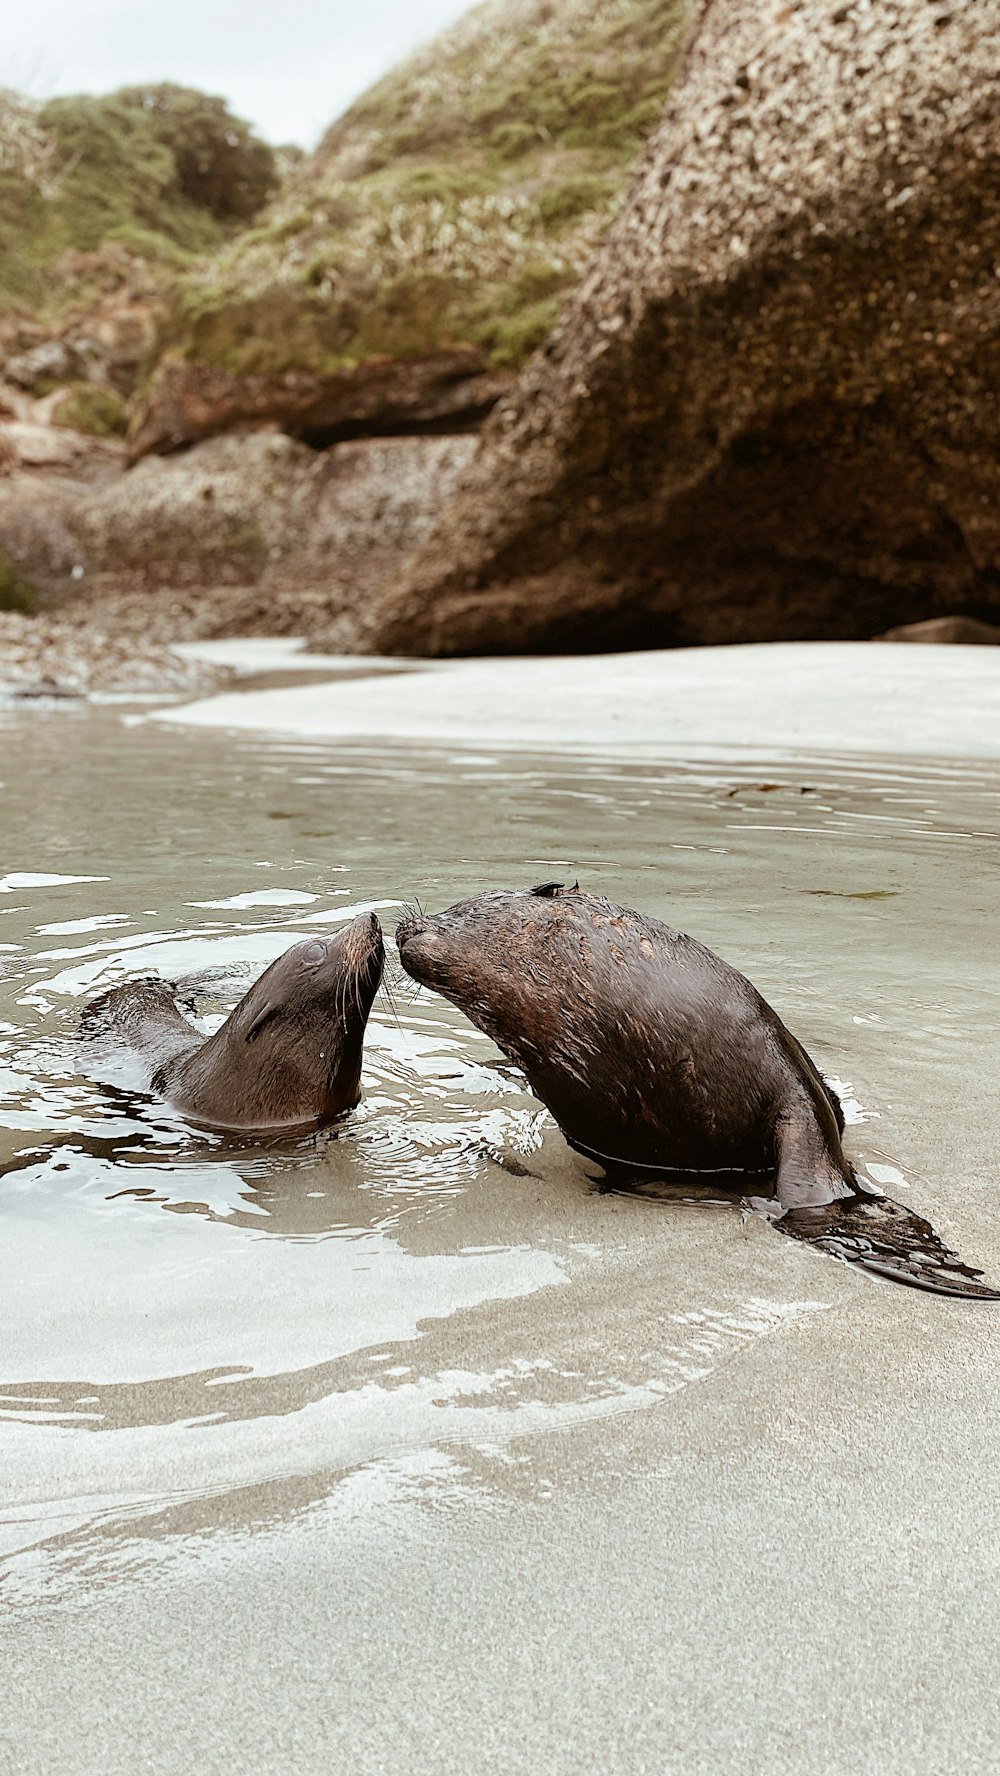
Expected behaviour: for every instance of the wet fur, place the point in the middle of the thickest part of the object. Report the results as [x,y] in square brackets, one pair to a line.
[654,1055]
[288,1055]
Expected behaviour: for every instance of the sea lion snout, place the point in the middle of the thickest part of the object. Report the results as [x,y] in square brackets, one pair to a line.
[357,947]
[409,927]
[361,942]
[417,941]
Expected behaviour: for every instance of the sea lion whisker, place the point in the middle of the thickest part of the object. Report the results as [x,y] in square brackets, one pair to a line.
[350,996]
[389,995]
[394,975]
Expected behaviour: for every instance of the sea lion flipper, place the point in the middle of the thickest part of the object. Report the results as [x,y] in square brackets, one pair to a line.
[809,1175]
[888,1239]
[955,1279]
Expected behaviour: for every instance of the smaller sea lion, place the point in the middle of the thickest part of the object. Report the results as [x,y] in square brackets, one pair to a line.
[287,1057]
[655,1056]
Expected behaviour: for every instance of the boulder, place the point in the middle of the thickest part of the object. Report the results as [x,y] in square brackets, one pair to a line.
[105,337]
[956,631]
[242,534]
[190,401]
[770,410]
[53,449]
[262,506]
[53,361]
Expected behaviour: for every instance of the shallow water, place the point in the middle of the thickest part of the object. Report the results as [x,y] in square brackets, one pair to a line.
[202,1338]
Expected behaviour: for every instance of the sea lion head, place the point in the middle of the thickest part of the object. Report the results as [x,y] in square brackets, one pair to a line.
[482,954]
[290,1051]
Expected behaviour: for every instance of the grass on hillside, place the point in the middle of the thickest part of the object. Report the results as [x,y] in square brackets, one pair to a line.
[457,202]
[162,171]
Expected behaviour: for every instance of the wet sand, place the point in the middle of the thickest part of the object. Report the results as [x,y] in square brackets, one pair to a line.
[661,1492]
[810,696]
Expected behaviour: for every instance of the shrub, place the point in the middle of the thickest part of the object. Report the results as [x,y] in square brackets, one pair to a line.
[563,203]
[220,165]
[514,337]
[16,592]
[162,170]
[510,140]
[87,407]
[111,170]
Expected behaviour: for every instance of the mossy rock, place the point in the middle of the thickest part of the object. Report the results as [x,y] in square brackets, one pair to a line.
[456,203]
[17,592]
[92,408]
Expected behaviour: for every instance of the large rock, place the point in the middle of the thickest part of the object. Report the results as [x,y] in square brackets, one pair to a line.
[946,631]
[30,444]
[771,409]
[263,507]
[445,392]
[104,337]
[240,534]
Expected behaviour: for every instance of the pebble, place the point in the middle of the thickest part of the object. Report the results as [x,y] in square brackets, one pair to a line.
[41,657]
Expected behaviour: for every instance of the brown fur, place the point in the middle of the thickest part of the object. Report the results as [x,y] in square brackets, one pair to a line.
[288,1055]
[655,1056]
[647,1048]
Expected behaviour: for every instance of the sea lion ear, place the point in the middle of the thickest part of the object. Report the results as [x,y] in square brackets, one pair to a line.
[547,890]
[267,1011]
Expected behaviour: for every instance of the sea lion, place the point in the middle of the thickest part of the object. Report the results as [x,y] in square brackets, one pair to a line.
[655,1056]
[287,1057]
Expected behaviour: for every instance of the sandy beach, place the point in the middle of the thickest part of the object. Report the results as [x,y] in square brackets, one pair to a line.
[810,696]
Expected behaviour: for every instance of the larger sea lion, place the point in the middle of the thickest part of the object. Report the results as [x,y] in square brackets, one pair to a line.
[288,1056]
[655,1056]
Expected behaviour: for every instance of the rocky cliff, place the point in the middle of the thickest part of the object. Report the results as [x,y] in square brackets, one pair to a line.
[770,411]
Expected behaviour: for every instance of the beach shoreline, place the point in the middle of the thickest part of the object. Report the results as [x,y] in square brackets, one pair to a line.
[850,697]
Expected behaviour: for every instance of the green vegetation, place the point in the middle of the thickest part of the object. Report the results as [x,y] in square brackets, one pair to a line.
[90,407]
[163,171]
[16,592]
[457,202]
[219,165]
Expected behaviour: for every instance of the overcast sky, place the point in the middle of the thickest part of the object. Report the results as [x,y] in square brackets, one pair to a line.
[288,66]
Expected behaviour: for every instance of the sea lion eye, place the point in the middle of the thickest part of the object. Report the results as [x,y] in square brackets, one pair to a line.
[314,953]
